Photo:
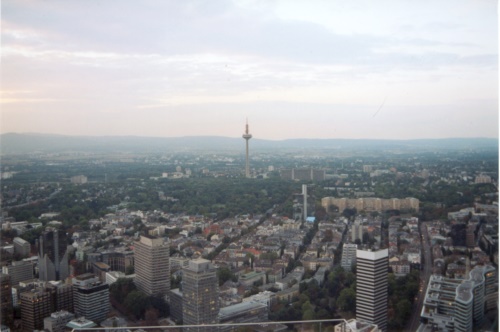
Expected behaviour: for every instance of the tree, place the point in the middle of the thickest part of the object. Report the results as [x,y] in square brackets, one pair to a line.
[121,288]
[137,302]
[224,274]
[129,269]
[308,315]
[347,300]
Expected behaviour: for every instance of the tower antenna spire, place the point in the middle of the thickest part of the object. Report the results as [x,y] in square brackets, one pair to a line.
[247,136]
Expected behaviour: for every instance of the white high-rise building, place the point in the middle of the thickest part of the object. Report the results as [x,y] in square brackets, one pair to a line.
[348,256]
[371,287]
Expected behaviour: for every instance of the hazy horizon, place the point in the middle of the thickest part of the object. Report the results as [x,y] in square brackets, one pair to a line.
[318,69]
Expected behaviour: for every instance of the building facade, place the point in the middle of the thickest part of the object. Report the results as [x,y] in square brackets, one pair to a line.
[6,306]
[35,306]
[371,287]
[21,247]
[175,296]
[61,295]
[57,321]
[370,204]
[460,304]
[244,312]
[19,271]
[90,297]
[348,256]
[152,266]
[303,174]
[200,285]
[53,255]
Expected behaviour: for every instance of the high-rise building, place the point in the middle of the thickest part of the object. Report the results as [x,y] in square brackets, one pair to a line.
[53,252]
[6,310]
[19,271]
[247,136]
[459,304]
[356,231]
[304,194]
[348,256]
[90,297]
[371,287]
[35,306]
[152,266]
[200,294]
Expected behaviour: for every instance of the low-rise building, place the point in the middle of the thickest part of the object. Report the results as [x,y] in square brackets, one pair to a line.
[57,321]
[245,312]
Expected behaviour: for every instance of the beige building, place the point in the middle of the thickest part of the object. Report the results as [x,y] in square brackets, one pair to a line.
[152,265]
[369,204]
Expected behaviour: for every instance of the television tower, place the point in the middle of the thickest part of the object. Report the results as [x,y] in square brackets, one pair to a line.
[247,137]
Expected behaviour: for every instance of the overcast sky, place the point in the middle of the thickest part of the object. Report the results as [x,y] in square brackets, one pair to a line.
[295,69]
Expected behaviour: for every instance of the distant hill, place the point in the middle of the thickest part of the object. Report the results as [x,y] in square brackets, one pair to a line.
[13,143]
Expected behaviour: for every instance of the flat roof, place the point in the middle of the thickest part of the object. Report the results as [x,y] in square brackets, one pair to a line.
[372,255]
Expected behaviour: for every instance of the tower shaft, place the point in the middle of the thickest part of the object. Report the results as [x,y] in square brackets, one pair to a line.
[247,136]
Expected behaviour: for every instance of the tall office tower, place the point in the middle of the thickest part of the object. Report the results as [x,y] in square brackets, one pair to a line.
[371,287]
[35,306]
[19,271]
[152,265]
[6,310]
[90,297]
[304,194]
[200,302]
[53,253]
[247,137]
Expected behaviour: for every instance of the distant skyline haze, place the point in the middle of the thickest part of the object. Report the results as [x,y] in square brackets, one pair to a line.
[296,69]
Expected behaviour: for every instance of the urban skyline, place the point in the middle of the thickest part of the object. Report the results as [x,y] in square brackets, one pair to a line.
[367,201]
[327,69]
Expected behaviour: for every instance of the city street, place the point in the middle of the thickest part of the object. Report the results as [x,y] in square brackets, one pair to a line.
[425,274]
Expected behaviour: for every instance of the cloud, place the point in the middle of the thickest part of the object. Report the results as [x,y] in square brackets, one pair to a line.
[107,57]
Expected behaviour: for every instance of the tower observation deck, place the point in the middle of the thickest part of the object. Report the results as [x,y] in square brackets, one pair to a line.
[247,137]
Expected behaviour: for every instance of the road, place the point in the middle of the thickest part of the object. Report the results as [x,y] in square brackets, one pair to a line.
[425,274]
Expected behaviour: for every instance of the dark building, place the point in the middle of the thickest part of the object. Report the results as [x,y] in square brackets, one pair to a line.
[90,297]
[6,311]
[175,297]
[61,296]
[200,290]
[53,252]
[118,260]
[35,306]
